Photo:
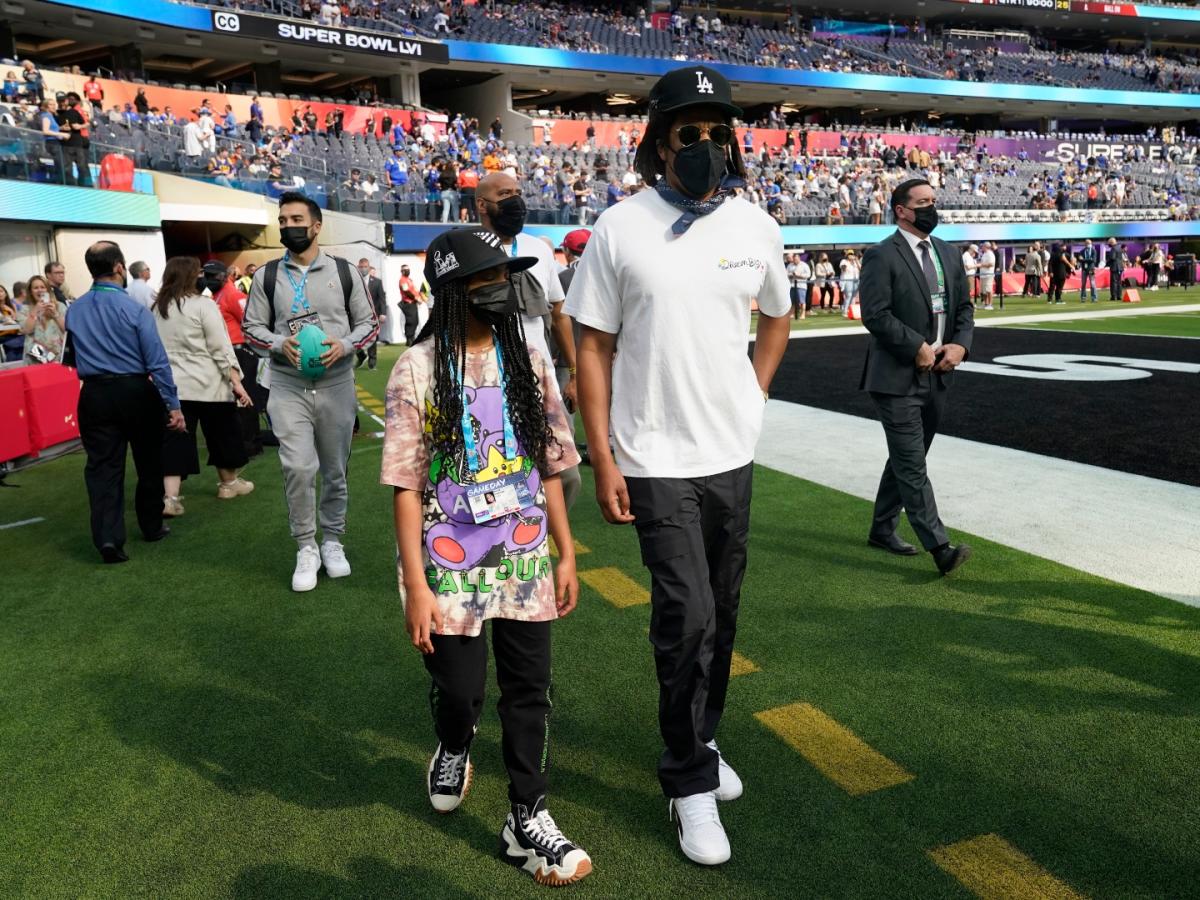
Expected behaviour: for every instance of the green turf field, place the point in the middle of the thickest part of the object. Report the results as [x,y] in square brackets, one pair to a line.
[185,726]
[1182,324]
[1023,306]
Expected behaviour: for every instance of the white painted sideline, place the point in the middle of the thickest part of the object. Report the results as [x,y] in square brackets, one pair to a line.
[1126,309]
[1128,528]
[22,522]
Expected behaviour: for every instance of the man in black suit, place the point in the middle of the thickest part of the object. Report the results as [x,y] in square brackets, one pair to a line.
[917,305]
[378,304]
[1116,268]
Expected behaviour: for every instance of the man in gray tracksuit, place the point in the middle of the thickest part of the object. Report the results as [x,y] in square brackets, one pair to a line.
[312,417]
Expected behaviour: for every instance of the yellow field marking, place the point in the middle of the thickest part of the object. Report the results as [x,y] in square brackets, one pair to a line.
[615,586]
[994,869]
[833,750]
[739,665]
[579,548]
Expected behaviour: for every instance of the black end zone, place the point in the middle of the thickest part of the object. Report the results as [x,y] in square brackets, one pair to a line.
[1149,426]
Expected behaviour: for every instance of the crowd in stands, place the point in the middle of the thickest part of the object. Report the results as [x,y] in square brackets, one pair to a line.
[702,35]
[423,173]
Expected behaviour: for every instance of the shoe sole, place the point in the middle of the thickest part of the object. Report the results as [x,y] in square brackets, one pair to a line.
[303,590]
[168,514]
[727,797]
[345,574]
[528,861]
[231,496]
[880,546]
[466,789]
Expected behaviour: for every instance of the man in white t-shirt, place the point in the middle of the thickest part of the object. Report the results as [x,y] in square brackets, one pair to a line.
[501,209]
[663,295]
[987,275]
[970,259]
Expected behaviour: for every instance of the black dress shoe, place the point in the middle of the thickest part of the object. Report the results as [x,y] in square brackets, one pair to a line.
[892,544]
[950,557]
[162,533]
[111,554]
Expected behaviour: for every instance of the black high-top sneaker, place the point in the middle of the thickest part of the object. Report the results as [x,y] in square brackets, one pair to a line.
[449,779]
[532,842]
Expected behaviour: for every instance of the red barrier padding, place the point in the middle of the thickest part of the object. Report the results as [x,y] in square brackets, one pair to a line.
[14,418]
[52,401]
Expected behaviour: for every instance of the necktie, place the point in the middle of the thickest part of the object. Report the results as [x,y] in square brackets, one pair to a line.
[931,277]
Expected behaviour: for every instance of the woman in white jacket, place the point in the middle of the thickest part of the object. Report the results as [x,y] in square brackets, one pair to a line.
[209,378]
[850,269]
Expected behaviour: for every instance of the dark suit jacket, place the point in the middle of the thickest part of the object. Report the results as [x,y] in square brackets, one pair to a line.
[898,311]
[375,293]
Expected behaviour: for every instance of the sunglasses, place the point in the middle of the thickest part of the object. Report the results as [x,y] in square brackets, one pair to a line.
[721,135]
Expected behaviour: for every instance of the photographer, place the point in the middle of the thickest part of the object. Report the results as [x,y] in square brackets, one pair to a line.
[44,325]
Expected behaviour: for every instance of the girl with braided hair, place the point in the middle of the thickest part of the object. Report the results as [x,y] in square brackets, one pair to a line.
[475,440]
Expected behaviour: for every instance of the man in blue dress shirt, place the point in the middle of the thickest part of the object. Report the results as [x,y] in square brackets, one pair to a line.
[128,394]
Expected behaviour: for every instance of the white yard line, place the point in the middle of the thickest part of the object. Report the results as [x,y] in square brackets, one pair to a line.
[22,522]
[1128,528]
[1126,309]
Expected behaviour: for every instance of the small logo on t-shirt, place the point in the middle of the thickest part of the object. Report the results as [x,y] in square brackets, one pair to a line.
[443,264]
[749,262]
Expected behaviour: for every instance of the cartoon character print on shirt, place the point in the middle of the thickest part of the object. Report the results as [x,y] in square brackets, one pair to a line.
[457,543]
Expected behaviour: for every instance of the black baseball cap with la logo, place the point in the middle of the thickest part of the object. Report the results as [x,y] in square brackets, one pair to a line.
[692,86]
[460,252]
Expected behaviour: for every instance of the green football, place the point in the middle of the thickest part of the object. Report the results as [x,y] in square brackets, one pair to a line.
[312,348]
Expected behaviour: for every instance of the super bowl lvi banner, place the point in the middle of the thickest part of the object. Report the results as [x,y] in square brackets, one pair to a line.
[322,37]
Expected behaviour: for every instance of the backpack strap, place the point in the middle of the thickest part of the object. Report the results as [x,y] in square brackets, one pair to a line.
[343,267]
[269,276]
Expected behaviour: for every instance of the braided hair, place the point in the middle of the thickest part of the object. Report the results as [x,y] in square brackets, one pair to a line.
[447,326]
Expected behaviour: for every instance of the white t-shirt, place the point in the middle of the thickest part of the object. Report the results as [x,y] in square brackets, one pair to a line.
[987,264]
[546,273]
[970,265]
[685,402]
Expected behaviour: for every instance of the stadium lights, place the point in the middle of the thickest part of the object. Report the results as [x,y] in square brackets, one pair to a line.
[269,50]
[12,9]
[337,58]
[146,34]
[83,21]
[192,41]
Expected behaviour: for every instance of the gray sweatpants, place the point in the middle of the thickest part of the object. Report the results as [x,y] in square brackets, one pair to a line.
[314,426]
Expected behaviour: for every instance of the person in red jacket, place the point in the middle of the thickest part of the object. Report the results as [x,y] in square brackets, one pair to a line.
[222,283]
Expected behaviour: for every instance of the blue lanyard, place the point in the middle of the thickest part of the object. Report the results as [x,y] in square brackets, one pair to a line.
[98,288]
[510,438]
[299,297]
[513,254]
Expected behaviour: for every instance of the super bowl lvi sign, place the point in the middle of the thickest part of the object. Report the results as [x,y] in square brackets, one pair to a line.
[322,37]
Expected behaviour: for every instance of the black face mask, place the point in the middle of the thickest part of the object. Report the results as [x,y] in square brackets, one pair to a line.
[365,273]
[296,238]
[509,218]
[700,168]
[493,303]
[925,218]
[201,284]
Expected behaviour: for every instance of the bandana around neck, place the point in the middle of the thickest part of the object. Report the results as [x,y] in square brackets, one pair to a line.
[693,209]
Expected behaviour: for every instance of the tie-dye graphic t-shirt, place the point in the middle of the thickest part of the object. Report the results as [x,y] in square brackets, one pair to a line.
[499,569]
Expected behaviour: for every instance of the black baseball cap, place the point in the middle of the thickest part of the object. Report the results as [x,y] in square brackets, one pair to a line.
[692,86]
[461,252]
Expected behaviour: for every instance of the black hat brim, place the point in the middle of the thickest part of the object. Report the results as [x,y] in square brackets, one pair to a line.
[734,112]
[514,263]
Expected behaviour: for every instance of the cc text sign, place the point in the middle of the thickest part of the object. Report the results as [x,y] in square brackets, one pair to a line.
[310,34]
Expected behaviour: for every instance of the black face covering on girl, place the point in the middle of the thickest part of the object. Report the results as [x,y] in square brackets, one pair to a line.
[493,303]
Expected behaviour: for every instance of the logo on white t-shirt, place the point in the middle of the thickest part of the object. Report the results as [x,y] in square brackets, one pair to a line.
[749,262]
[703,85]
[443,264]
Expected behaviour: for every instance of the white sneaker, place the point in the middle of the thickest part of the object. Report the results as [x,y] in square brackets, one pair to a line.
[333,556]
[731,785]
[701,835]
[308,563]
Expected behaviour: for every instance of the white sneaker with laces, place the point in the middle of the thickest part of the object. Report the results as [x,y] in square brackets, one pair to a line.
[308,563]
[731,786]
[333,557]
[701,834]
